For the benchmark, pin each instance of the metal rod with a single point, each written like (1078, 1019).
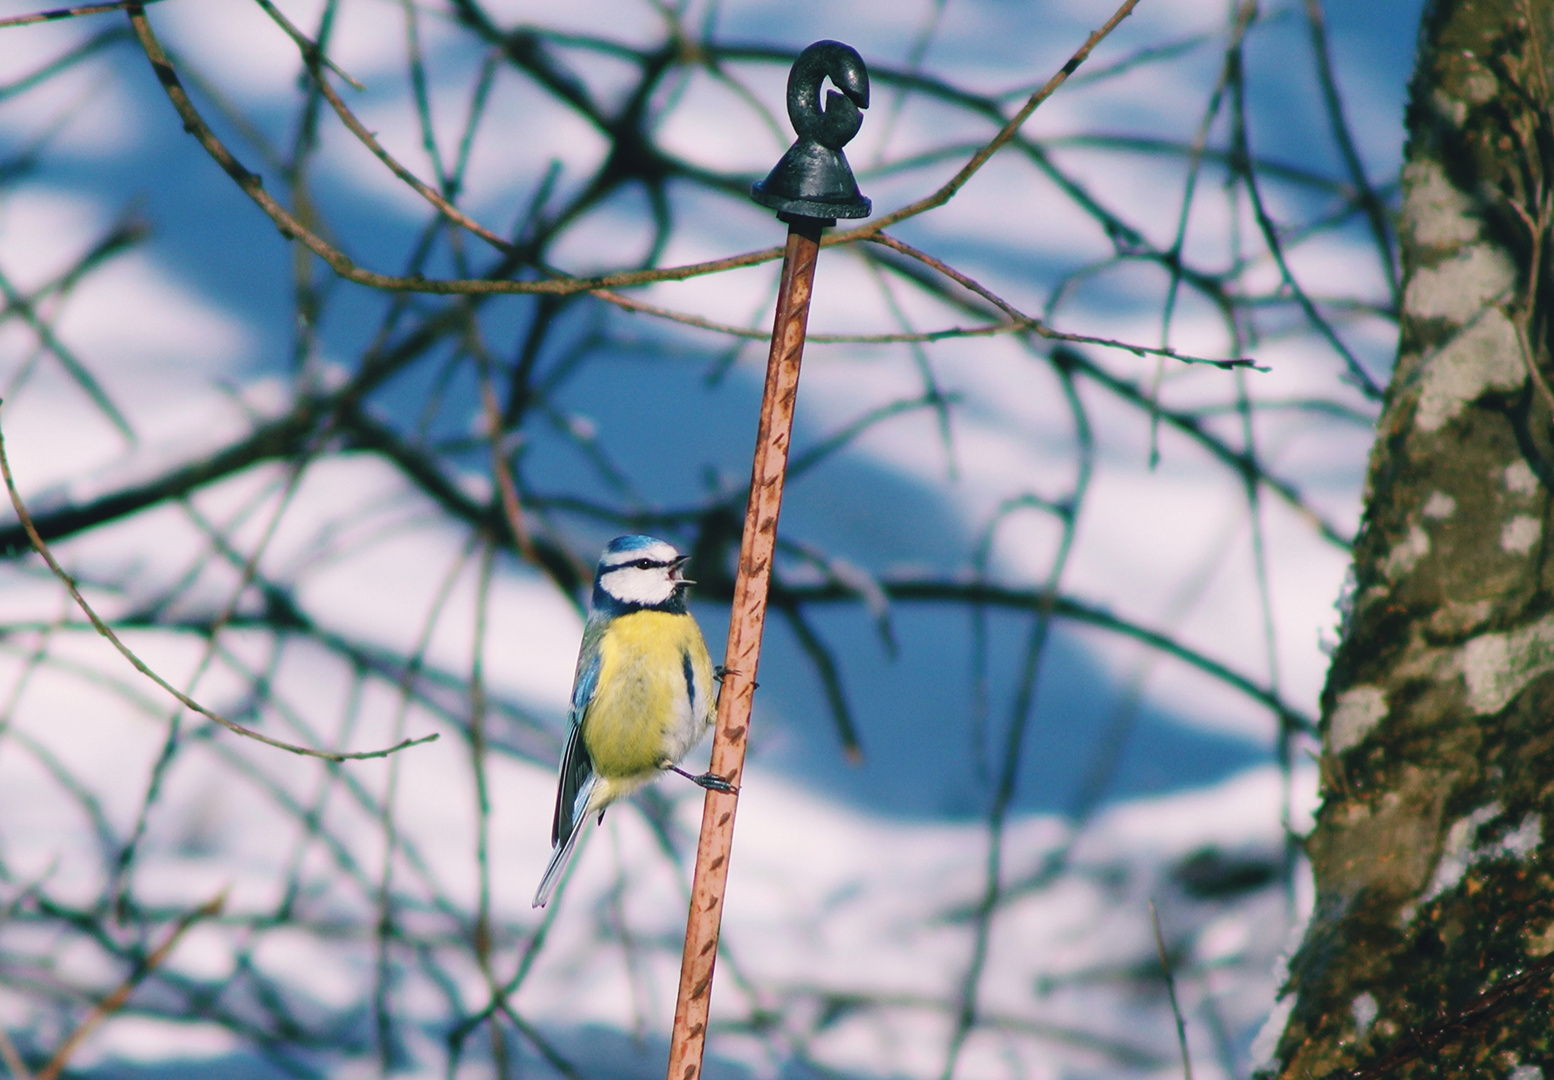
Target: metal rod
(748, 619)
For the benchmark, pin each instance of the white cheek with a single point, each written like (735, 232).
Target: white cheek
(633, 586)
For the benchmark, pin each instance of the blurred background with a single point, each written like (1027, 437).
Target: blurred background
(1050, 619)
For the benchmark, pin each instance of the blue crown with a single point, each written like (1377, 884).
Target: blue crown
(630, 543)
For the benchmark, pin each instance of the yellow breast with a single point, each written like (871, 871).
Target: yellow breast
(645, 711)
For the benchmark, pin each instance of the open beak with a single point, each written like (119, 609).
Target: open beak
(676, 569)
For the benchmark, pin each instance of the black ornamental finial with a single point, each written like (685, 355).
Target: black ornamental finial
(813, 179)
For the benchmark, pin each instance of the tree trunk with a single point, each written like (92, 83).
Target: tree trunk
(1431, 950)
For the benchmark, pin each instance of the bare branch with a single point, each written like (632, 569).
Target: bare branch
(140, 665)
(1170, 981)
(71, 12)
(947, 192)
(13, 1060)
(1021, 321)
(115, 1001)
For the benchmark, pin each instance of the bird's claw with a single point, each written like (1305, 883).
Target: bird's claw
(714, 783)
(705, 780)
(720, 672)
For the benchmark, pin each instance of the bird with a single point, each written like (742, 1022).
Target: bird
(642, 696)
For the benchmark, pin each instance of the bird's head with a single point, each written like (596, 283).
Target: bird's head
(640, 571)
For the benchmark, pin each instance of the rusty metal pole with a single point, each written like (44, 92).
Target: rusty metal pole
(810, 188)
(744, 648)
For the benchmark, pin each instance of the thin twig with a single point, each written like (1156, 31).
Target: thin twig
(292, 228)
(1019, 322)
(1365, 193)
(901, 588)
(121, 886)
(750, 333)
(115, 1001)
(1170, 981)
(1483, 1008)
(557, 283)
(830, 681)
(13, 1060)
(71, 12)
(140, 665)
(311, 53)
(421, 188)
(482, 938)
(1242, 151)
(1174, 253)
(947, 191)
(507, 488)
(1022, 321)
(385, 899)
(16, 302)
(1021, 711)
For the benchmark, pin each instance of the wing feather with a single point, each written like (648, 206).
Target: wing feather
(576, 764)
(688, 667)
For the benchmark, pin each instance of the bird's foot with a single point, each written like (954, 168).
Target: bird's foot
(707, 780)
(720, 671)
(714, 783)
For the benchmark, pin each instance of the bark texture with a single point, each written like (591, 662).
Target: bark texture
(1431, 950)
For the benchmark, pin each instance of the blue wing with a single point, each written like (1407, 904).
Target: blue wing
(584, 685)
(577, 768)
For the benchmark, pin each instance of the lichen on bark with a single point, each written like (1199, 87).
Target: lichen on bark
(1434, 919)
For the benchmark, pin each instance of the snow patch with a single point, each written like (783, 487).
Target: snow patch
(1463, 849)
(146, 1039)
(1224, 941)
(1458, 853)
(1525, 838)
(1267, 1040)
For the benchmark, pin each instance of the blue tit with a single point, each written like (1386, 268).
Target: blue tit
(642, 696)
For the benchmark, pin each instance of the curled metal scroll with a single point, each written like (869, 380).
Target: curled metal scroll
(813, 179)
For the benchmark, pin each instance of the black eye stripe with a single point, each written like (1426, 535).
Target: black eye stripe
(639, 564)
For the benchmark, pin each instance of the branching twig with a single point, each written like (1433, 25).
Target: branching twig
(1490, 1003)
(71, 12)
(1021, 321)
(13, 1060)
(115, 1001)
(947, 191)
(1018, 322)
(557, 284)
(311, 53)
(140, 665)
(1170, 981)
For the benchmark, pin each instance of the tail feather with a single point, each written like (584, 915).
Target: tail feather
(562, 853)
(558, 862)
